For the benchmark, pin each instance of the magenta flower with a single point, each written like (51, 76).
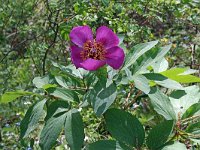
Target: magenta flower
(90, 53)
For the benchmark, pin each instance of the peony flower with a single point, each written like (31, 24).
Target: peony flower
(92, 53)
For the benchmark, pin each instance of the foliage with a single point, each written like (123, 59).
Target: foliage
(152, 102)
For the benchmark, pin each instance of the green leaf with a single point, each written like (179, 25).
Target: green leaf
(107, 145)
(56, 107)
(67, 81)
(181, 75)
(11, 96)
(161, 104)
(159, 135)
(125, 127)
(149, 58)
(182, 100)
(64, 94)
(105, 2)
(40, 82)
(142, 83)
(160, 65)
(31, 119)
(101, 73)
(71, 70)
(175, 146)
(163, 81)
(138, 51)
(51, 131)
(74, 130)
(102, 96)
(62, 81)
(193, 127)
(191, 110)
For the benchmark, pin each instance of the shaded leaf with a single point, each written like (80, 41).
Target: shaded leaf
(159, 135)
(51, 131)
(193, 128)
(31, 119)
(55, 107)
(107, 145)
(74, 130)
(125, 127)
(191, 110)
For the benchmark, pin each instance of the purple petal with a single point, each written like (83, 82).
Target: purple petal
(115, 57)
(92, 64)
(75, 55)
(107, 37)
(80, 34)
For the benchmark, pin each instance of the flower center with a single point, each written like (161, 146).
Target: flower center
(94, 50)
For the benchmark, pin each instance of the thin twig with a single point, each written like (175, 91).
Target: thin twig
(190, 118)
(134, 100)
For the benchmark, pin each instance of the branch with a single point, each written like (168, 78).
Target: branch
(55, 36)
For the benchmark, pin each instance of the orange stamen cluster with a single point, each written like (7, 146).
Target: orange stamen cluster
(94, 50)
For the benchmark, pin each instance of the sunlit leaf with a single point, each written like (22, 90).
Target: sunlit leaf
(11, 96)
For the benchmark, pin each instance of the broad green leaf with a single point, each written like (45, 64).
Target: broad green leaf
(11, 96)
(107, 145)
(182, 100)
(39, 82)
(163, 81)
(102, 96)
(191, 110)
(31, 119)
(51, 131)
(67, 81)
(62, 81)
(56, 107)
(161, 104)
(71, 70)
(181, 75)
(158, 136)
(125, 127)
(149, 58)
(142, 83)
(175, 146)
(137, 51)
(74, 130)
(64, 94)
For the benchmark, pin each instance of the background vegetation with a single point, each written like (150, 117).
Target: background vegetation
(33, 33)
